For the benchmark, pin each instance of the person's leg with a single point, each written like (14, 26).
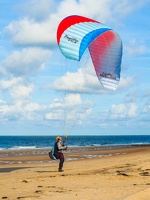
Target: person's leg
(61, 157)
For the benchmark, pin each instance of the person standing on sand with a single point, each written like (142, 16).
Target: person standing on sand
(58, 152)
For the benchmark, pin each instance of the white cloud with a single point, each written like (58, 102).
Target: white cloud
(17, 87)
(21, 110)
(118, 111)
(79, 81)
(126, 82)
(40, 27)
(146, 109)
(54, 115)
(73, 109)
(73, 99)
(38, 10)
(123, 111)
(131, 97)
(30, 107)
(21, 91)
(68, 102)
(101, 10)
(132, 112)
(125, 7)
(7, 84)
(28, 32)
(11, 111)
(85, 81)
(2, 102)
(28, 61)
(135, 48)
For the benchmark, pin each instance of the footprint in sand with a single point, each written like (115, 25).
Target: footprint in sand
(121, 173)
(144, 174)
(38, 191)
(24, 181)
(51, 187)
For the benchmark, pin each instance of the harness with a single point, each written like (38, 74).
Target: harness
(56, 150)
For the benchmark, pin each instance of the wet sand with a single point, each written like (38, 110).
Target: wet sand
(90, 173)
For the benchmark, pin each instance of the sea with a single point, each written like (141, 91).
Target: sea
(36, 142)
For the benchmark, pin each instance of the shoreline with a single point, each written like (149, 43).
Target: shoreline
(76, 147)
(35, 156)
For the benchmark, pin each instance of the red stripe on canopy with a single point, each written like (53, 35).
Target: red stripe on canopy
(68, 21)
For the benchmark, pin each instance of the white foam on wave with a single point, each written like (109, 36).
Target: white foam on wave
(23, 147)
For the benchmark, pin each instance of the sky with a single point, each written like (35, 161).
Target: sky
(42, 93)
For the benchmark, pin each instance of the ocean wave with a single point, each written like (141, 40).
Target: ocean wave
(41, 142)
(22, 147)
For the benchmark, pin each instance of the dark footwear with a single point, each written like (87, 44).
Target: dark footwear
(60, 170)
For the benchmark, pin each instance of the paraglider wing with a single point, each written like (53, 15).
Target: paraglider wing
(76, 33)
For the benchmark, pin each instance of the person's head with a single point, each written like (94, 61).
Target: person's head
(58, 138)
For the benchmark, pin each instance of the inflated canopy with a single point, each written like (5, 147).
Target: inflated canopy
(77, 33)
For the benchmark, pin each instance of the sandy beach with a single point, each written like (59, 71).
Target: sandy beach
(90, 173)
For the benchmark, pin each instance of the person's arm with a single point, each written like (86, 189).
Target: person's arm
(60, 146)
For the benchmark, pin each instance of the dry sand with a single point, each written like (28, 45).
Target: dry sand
(89, 174)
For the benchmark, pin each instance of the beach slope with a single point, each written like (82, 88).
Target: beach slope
(89, 174)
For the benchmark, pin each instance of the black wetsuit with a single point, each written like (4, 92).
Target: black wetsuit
(58, 152)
